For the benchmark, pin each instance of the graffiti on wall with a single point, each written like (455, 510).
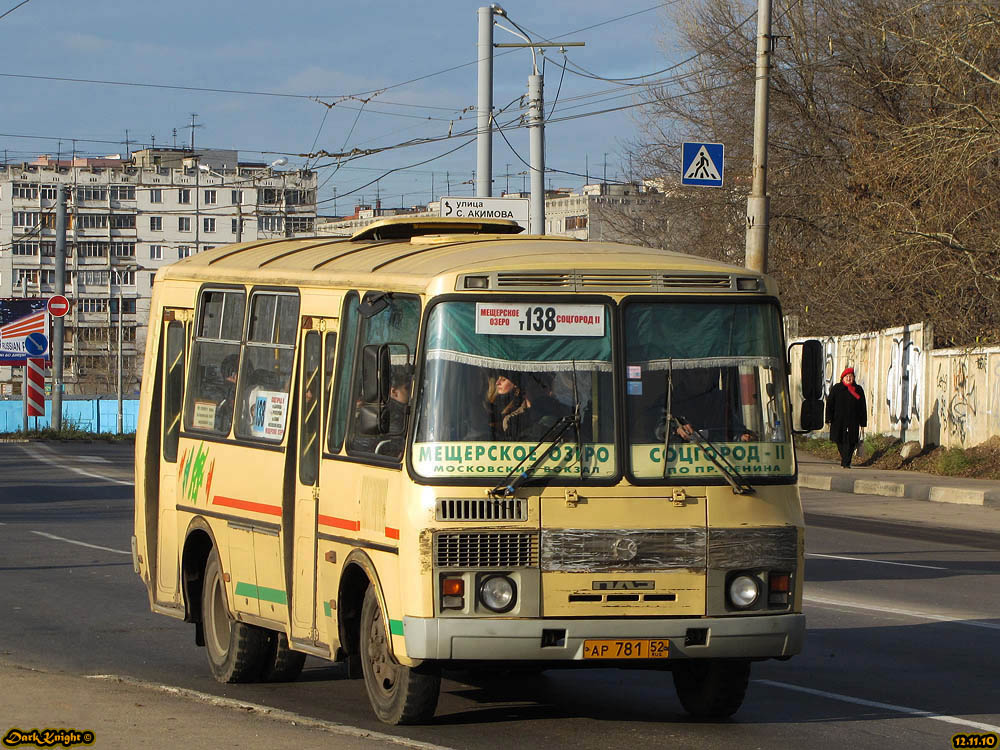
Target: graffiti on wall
(904, 382)
(957, 399)
(995, 400)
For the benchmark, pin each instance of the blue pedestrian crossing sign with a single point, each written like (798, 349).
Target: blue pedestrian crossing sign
(702, 164)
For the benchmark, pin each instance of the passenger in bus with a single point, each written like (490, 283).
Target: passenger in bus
(399, 400)
(227, 398)
(522, 406)
(503, 399)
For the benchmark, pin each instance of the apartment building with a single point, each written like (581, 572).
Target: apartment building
(125, 219)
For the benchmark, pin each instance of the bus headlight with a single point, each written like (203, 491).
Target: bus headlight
(498, 593)
(743, 591)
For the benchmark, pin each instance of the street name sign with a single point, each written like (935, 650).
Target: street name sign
(515, 209)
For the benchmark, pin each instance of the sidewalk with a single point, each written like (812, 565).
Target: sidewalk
(908, 498)
(124, 714)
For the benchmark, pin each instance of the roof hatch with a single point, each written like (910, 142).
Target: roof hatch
(404, 228)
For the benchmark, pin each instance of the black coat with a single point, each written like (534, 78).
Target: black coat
(846, 414)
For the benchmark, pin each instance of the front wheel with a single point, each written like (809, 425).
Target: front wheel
(236, 651)
(711, 688)
(398, 694)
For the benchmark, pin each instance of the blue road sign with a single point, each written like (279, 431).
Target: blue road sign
(702, 164)
(36, 344)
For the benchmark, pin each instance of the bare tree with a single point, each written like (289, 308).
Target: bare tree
(883, 152)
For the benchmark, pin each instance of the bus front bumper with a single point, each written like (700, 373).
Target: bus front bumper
(481, 639)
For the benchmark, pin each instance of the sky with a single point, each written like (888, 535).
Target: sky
(296, 77)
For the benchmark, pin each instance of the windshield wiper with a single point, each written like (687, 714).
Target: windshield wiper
(728, 471)
(668, 416)
(514, 480)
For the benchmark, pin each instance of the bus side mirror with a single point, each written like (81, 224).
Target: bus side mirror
(811, 415)
(376, 373)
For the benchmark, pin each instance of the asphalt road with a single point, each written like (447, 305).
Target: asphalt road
(901, 651)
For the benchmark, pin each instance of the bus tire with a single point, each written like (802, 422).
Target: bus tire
(711, 688)
(236, 651)
(398, 694)
(282, 664)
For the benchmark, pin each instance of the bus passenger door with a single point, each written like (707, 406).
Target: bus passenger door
(304, 562)
(173, 346)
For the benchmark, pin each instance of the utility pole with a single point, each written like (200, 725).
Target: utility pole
(484, 106)
(536, 154)
(58, 325)
(758, 203)
(120, 314)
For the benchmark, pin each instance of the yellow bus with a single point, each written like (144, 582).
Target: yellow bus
(441, 444)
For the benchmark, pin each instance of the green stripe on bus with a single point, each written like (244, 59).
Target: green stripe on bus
(265, 594)
(396, 627)
(326, 609)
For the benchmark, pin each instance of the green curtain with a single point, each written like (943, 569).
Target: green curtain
(692, 330)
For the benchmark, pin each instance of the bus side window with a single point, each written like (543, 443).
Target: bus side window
(215, 356)
(309, 419)
(345, 364)
(173, 388)
(263, 395)
(329, 362)
(393, 321)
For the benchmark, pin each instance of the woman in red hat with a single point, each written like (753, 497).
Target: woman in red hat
(847, 414)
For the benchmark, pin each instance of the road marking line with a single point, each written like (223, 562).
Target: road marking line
(274, 713)
(82, 544)
(905, 612)
(883, 562)
(886, 706)
(36, 452)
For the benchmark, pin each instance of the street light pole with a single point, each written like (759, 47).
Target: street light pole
(120, 313)
(484, 105)
(758, 203)
(536, 154)
(536, 122)
(58, 330)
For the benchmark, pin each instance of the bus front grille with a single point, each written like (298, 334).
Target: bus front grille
(481, 509)
(486, 550)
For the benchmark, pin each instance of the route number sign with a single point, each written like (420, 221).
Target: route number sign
(530, 319)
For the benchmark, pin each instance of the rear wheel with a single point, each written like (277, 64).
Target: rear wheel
(398, 694)
(711, 688)
(236, 651)
(281, 664)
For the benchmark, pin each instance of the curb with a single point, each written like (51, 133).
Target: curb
(911, 490)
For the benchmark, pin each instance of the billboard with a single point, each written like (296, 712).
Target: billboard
(24, 330)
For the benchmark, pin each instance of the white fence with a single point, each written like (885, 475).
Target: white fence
(947, 397)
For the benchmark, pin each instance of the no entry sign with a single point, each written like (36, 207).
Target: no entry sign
(58, 306)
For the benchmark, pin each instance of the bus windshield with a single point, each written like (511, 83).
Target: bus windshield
(705, 386)
(501, 378)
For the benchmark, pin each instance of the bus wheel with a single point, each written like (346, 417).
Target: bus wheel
(711, 688)
(281, 664)
(398, 694)
(236, 651)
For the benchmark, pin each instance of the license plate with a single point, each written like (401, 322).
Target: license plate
(634, 648)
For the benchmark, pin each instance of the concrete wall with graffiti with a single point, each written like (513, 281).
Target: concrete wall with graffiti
(947, 397)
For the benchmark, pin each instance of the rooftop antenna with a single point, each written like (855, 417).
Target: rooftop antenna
(175, 137)
(193, 126)
(152, 141)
